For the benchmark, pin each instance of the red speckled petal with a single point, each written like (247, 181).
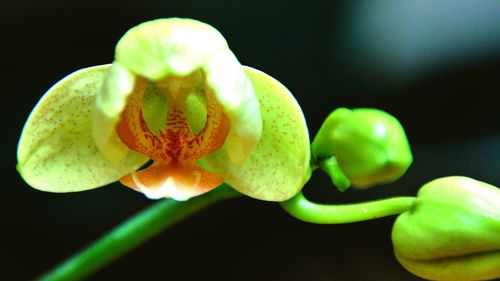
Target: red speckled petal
(57, 151)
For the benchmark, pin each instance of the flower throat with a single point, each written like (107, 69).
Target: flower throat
(174, 148)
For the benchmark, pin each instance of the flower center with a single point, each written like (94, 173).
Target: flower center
(174, 148)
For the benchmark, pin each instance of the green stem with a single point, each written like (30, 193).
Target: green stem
(305, 210)
(132, 233)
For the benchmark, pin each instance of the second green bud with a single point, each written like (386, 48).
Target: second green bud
(452, 231)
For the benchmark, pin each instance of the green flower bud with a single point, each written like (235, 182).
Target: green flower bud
(370, 145)
(452, 231)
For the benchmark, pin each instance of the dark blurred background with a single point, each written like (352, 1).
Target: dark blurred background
(433, 64)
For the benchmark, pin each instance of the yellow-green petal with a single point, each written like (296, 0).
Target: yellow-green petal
(56, 151)
(226, 76)
(110, 101)
(278, 166)
(164, 47)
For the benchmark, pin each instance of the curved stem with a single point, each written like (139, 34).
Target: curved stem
(132, 233)
(305, 210)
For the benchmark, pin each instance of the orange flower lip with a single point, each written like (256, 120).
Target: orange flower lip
(176, 148)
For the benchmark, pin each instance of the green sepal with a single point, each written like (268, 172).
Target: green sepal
(56, 151)
(278, 167)
(339, 179)
(452, 231)
(322, 147)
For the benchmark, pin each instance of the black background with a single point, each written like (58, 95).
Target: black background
(446, 100)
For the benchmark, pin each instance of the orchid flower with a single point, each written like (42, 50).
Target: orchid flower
(175, 94)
